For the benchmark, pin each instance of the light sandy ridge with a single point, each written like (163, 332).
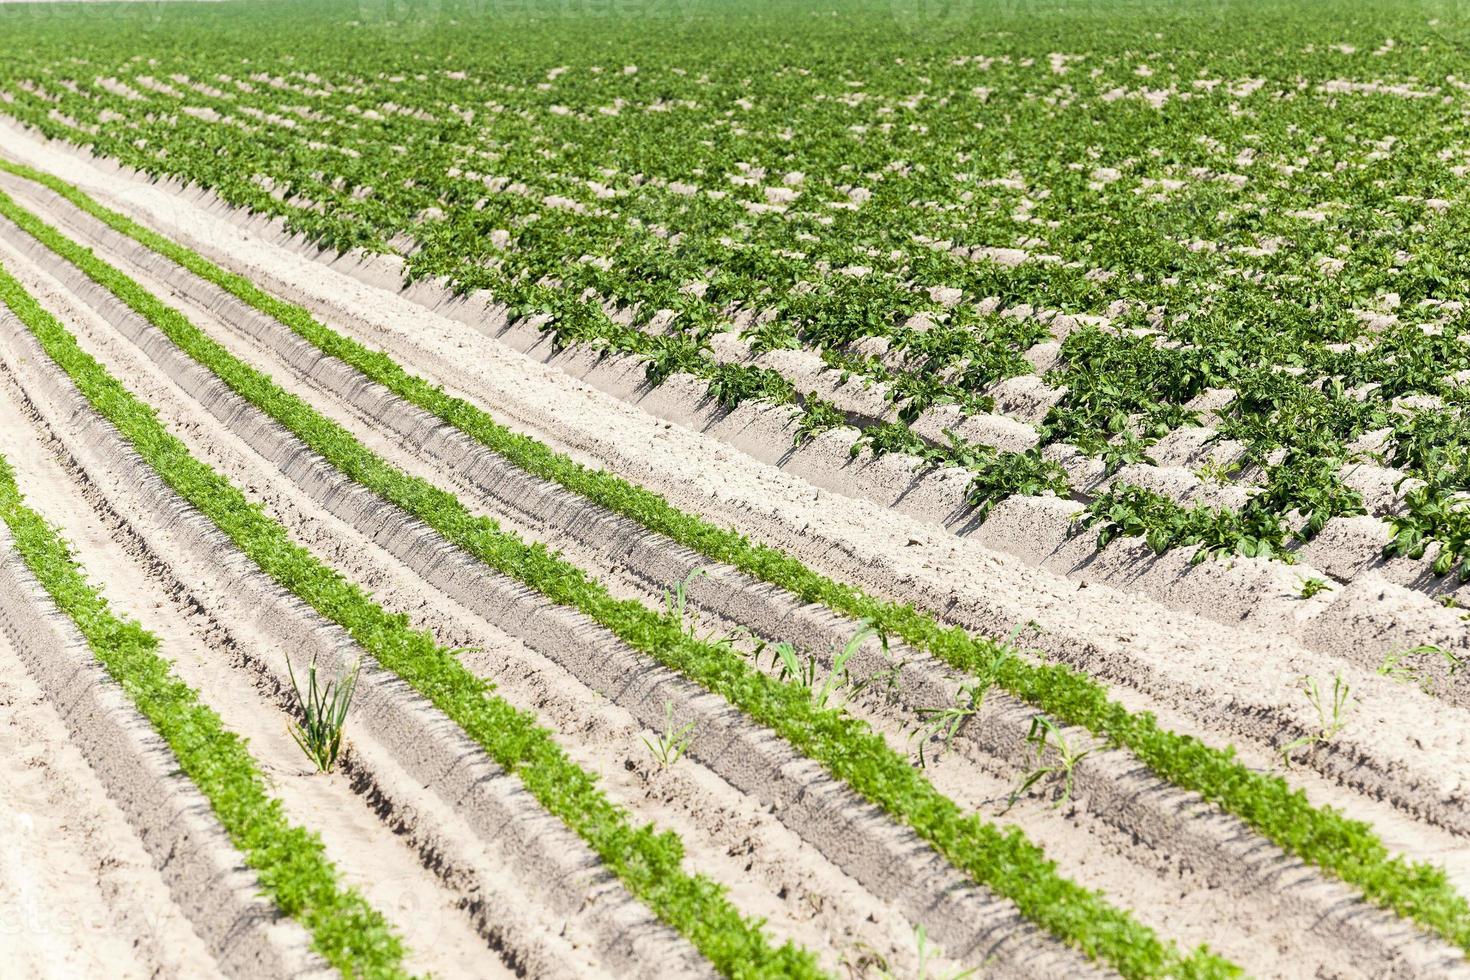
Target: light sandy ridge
(1230, 919)
(1125, 638)
(78, 893)
(952, 907)
(498, 891)
(364, 849)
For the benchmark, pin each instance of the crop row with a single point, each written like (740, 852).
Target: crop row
(1004, 861)
(289, 859)
(1347, 849)
(1181, 234)
(648, 861)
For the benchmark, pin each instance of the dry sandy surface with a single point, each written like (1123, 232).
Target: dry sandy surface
(79, 896)
(793, 845)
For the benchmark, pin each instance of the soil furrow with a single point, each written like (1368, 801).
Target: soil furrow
(206, 875)
(888, 860)
(226, 666)
(1124, 640)
(81, 894)
(1179, 840)
(546, 860)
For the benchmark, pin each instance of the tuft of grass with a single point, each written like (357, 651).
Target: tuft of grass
(676, 602)
(669, 746)
(291, 862)
(1044, 735)
(947, 722)
(926, 953)
(1398, 666)
(324, 713)
(1331, 715)
(791, 668)
(839, 676)
(1346, 848)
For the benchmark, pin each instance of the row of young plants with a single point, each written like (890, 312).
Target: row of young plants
(576, 318)
(1108, 371)
(289, 860)
(1323, 837)
(1003, 860)
(388, 212)
(1116, 412)
(990, 344)
(646, 860)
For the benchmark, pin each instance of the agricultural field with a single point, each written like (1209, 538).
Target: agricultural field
(667, 488)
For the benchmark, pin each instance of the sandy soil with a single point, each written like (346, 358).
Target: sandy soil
(798, 881)
(792, 844)
(78, 893)
(1232, 911)
(1125, 637)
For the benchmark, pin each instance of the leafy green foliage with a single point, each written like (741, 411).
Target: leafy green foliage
(1125, 510)
(1324, 837)
(646, 860)
(290, 861)
(817, 416)
(1005, 861)
(1314, 586)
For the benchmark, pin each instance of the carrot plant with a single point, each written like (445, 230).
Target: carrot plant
(290, 860)
(1004, 861)
(1326, 838)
